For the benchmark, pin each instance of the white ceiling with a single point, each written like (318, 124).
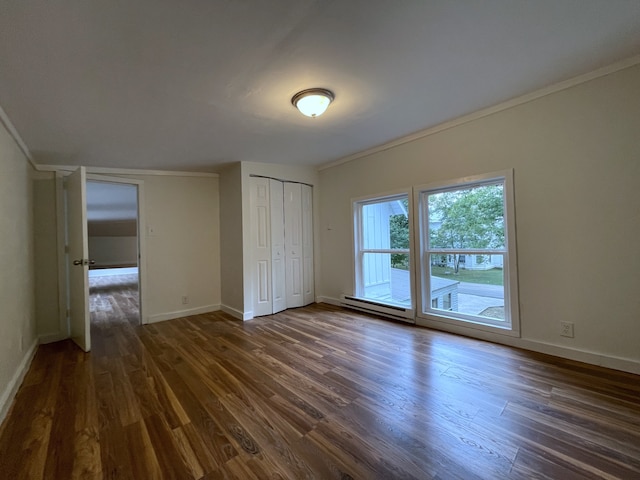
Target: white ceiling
(192, 84)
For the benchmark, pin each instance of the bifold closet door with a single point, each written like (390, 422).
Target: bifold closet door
(278, 268)
(308, 284)
(261, 254)
(293, 244)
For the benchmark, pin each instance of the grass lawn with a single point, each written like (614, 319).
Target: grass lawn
(484, 277)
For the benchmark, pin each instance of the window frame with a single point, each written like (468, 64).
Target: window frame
(425, 314)
(358, 244)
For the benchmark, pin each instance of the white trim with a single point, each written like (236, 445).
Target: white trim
(123, 171)
(607, 361)
(357, 234)
(14, 384)
(4, 119)
(141, 236)
(424, 313)
(234, 312)
(485, 112)
(161, 317)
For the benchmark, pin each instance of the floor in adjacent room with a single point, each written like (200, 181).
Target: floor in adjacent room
(317, 392)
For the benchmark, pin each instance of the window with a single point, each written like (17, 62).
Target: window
(467, 245)
(446, 302)
(383, 260)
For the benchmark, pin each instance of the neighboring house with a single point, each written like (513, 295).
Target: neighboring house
(470, 262)
(381, 281)
(444, 294)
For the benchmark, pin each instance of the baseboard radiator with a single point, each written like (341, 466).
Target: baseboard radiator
(369, 306)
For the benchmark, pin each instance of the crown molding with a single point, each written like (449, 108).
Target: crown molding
(6, 122)
(514, 102)
(123, 171)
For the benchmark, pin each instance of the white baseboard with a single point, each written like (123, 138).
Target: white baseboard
(607, 361)
(161, 317)
(593, 358)
(234, 312)
(12, 388)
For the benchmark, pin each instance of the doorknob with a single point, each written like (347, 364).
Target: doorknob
(84, 262)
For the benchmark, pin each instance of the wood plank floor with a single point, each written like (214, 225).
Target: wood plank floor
(314, 393)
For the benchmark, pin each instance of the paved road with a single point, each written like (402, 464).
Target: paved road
(492, 291)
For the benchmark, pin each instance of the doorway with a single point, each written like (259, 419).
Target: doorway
(112, 230)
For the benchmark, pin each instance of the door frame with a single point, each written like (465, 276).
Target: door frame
(63, 274)
(142, 249)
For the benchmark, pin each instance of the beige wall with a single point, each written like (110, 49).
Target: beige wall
(183, 254)
(46, 257)
(231, 261)
(113, 251)
(237, 287)
(17, 279)
(576, 158)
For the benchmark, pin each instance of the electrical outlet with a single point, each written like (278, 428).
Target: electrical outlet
(566, 329)
(185, 299)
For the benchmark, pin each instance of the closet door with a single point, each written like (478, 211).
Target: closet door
(308, 289)
(278, 268)
(261, 246)
(293, 244)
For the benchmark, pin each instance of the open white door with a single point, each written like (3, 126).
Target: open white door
(78, 258)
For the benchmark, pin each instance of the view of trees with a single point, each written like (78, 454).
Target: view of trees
(468, 218)
(399, 232)
(460, 219)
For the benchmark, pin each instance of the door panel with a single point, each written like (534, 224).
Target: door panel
(278, 283)
(293, 243)
(261, 246)
(78, 259)
(308, 287)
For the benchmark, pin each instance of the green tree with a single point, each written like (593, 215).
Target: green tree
(399, 233)
(468, 218)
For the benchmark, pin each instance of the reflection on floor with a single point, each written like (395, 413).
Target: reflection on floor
(113, 297)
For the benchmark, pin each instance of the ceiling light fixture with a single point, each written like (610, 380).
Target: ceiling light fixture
(313, 102)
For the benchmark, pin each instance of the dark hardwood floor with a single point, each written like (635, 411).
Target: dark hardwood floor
(317, 392)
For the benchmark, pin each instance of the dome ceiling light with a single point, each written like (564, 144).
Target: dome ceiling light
(313, 102)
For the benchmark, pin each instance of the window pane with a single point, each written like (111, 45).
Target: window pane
(385, 225)
(383, 282)
(467, 218)
(473, 287)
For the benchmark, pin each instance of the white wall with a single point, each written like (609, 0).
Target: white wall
(231, 261)
(17, 279)
(46, 256)
(183, 254)
(576, 157)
